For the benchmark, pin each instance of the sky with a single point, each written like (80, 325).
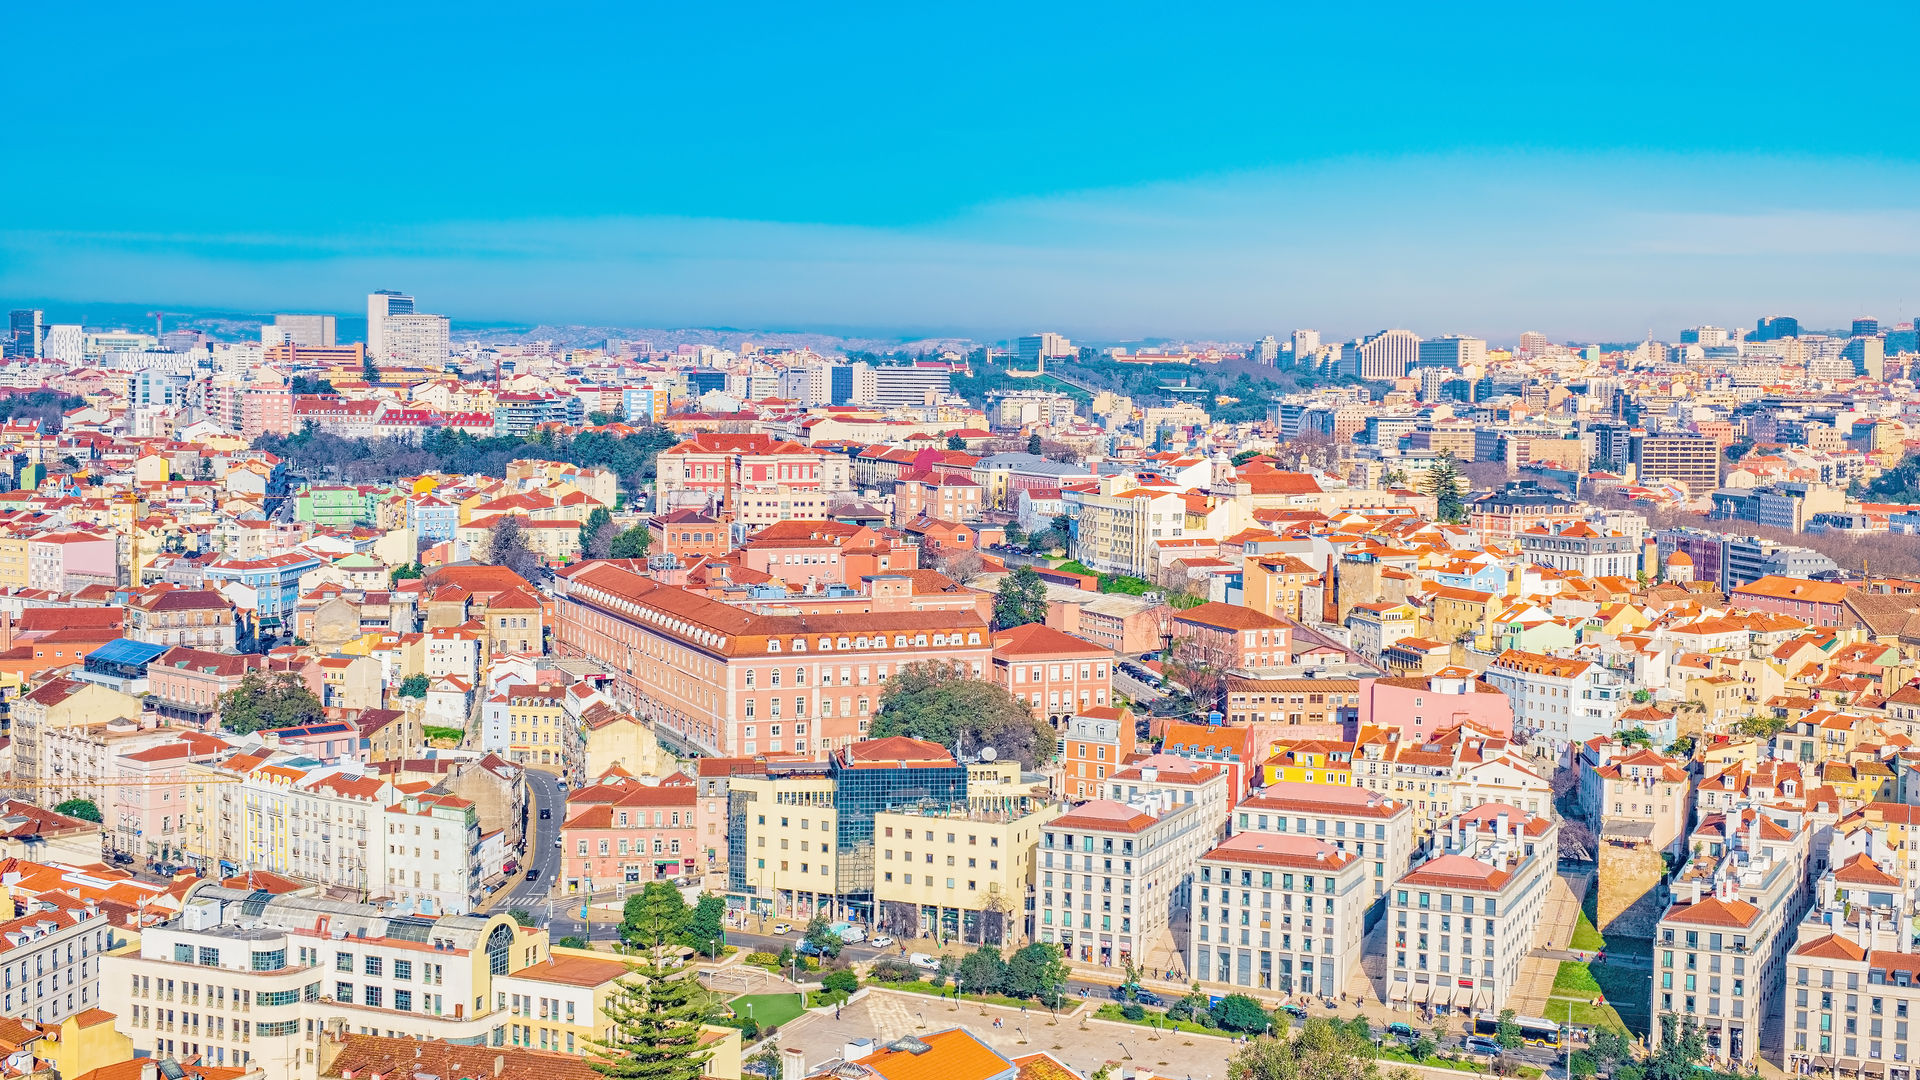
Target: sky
(1110, 171)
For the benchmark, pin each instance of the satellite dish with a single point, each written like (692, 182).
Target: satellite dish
(988, 754)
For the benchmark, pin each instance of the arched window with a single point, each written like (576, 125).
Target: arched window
(498, 944)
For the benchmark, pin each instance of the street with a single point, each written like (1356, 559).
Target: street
(542, 855)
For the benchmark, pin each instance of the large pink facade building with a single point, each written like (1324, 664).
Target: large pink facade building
(1418, 706)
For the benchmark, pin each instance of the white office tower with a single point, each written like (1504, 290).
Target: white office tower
(65, 342)
(382, 306)
(311, 330)
(1454, 351)
(1433, 381)
(416, 340)
(1305, 343)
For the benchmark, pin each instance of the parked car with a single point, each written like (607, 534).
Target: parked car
(923, 962)
(1399, 1031)
(1477, 1044)
(882, 942)
(848, 933)
(782, 928)
(1147, 997)
(510, 867)
(1298, 1012)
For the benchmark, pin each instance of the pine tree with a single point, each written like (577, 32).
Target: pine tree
(656, 1019)
(1445, 484)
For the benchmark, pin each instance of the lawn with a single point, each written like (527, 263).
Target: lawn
(433, 732)
(921, 986)
(769, 1010)
(1627, 986)
(1586, 937)
(1158, 1018)
(1575, 986)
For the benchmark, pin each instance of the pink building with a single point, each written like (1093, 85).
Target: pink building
(621, 830)
(1226, 636)
(1418, 706)
(1058, 674)
(146, 811)
(70, 560)
(185, 684)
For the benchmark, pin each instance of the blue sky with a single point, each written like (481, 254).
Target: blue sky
(1109, 170)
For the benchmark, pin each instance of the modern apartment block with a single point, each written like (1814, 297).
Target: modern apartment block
(1379, 831)
(1720, 948)
(960, 874)
(1278, 913)
(1113, 876)
(1463, 920)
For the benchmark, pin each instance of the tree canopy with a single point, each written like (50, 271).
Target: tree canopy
(1021, 599)
(269, 700)
(655, 1016)
(1323, 1049)
(507, 546)
(632, 544)
(84, 809)
(1448, 488)
(931, 701)
(654, 916)
(597, 534)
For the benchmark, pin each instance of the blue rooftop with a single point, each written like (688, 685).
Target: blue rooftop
(125, 651)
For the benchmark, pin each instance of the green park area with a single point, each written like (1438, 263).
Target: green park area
(766, 1010)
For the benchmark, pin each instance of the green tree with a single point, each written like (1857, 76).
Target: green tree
(269, 700)
(1507, 1031)
(820, 935)
(572, 941)
(1244, 456)
(983, 971)
(84, 809)
(521, 915)
(1581, 1065)
(406, 571)
(414, 686)
(632, 544)
(1422, 1048)
(654, 916)
(656, 1018)
(955, 442)
(1021, 599)
(1033, 444)
(369, 370)
(1038, 970)
(931, 701)
(1322, 1050)
(1682, 1046)
(840, 979)
(1609, 1048)
(1761, 727)
(597, 534)
(601, 419)
(1447, 486)
(706, 930)
(1238, 1012)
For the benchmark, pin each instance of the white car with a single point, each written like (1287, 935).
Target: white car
(882, 942)
(923, 961)
(782, 928)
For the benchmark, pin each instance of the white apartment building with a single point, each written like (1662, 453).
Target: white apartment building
(246, 979)
(50, 958)
(1114, 527)
(1463, 920)
(1379, 831)
(433, 854)
(416, 340)
(320, 825)
(1579, 548)
(1558, 703)
(1112, 875)
(1279, 913)
(1724, 938)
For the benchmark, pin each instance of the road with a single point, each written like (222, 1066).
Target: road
(543, 854)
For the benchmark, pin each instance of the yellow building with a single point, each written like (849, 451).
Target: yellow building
(1456, 614)
(791, 863)
(1310, 762)
(616, 738)
(13, 559)
(81, 1043)
(961, 875)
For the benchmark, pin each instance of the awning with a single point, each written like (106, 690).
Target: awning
(1397, 991)
(1847, 1065)
(1875, 1068)
(1463, 997)
(1422, 993)
(1483, 999)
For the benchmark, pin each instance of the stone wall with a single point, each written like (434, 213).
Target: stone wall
(1629, 896)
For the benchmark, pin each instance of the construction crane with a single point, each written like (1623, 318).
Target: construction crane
(78, 785)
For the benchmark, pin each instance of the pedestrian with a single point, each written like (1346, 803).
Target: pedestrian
(836, 1010)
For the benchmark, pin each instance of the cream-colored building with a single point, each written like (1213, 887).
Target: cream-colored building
(790, 853)
(323, 825)
(57, 703)
(961, 874)
(246, 980)
(1279, 913)
(561, 1004)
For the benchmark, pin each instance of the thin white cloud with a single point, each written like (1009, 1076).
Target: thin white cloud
(1581, 248)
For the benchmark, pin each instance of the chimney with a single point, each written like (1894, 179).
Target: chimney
(1502, 827)
(793, 1063)
(1695, 884)
(499, 1064)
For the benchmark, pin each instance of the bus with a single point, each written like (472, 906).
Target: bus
(1533, 1030)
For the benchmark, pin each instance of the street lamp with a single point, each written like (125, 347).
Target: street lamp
(1124, 1050)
